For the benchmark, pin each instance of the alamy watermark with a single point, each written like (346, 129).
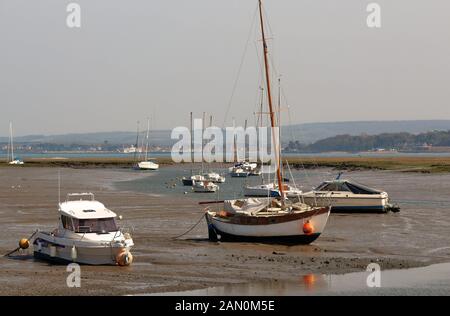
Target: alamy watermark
(73, 19)
(74, 277)
(374, 278)
(230, 144)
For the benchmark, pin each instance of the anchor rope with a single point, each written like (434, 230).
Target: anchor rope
(190, 229)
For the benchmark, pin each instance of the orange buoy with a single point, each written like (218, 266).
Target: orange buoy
(124, 258)
(308, 228)
(309, 280)
(24, 243)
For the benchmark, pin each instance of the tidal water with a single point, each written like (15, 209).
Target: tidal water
(431, 280)
(420, 231)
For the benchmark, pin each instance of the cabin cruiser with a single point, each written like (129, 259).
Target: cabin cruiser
(87, 233)
(238, 172)
(214, 177)
(348, 196)
(210, 177)
(204, 187)
(194, 178)
(271, 190)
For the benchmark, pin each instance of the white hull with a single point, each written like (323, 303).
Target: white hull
(16, 162)
(204, 187)
(263, 190)
(214, 177)
(148, 165)
(55, 248)
(291, 230)
(348, 201)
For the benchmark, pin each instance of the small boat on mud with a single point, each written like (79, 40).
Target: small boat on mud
(147, 163)
(87, 233)
(266, 220)
(348, 196)
(11, 159)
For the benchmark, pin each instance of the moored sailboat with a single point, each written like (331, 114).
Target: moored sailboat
(147, 164)
(11, 159)
(266, 219)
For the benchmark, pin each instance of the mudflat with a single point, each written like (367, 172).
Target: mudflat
(416, 236)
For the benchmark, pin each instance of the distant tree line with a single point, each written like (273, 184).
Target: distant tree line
(387, 141)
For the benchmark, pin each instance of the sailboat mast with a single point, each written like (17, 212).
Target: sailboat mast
(279, 125)
(12, 141)
(192, 139)
(269, 97)
(146, 144)
(137, 141)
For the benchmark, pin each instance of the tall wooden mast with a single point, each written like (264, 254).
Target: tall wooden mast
(269, 97)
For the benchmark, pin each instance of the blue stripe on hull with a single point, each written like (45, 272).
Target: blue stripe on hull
(356, 209)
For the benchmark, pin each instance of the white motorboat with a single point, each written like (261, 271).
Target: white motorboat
(214, 177)
(348, 196)
(11, 160)
(147, 164)
(87, 233)
(188, 181)
(204, 187)
(266, 220)
(238, 172)
(262, 190)
(271, 189)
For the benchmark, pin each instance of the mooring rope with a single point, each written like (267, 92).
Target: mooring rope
(13, 251)
(190, 229)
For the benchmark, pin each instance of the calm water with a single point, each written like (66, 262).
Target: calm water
(431, 280)
(420, 231)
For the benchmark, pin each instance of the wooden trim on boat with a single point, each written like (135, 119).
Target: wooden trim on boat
(270, 219)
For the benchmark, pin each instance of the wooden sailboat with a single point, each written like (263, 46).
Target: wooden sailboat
(147, 164)
(10, 157)
(266, 219)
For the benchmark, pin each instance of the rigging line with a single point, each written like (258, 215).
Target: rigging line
(233, 91)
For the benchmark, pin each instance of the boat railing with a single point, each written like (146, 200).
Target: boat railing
(79, 196)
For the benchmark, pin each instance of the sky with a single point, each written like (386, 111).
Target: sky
(165, 58)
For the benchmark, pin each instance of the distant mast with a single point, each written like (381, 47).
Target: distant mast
(146, 138)
(269, 97)
(11, 140)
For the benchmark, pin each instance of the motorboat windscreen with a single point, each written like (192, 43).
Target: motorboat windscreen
(98, 225)
(346, 186)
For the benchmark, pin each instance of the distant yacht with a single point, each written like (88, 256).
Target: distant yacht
(10, 157)
(204, 187)
(147, 164)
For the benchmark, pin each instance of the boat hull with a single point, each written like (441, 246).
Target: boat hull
(187, 182)
(272, 229)
(239, 174)
(58, 250)
(148, 165)
(349, 204)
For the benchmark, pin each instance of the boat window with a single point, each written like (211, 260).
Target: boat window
(97, 225)
(67, 222)
(346, 187)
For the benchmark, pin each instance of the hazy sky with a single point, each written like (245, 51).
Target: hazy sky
(165, 58)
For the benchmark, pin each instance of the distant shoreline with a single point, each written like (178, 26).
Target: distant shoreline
(401, 164)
